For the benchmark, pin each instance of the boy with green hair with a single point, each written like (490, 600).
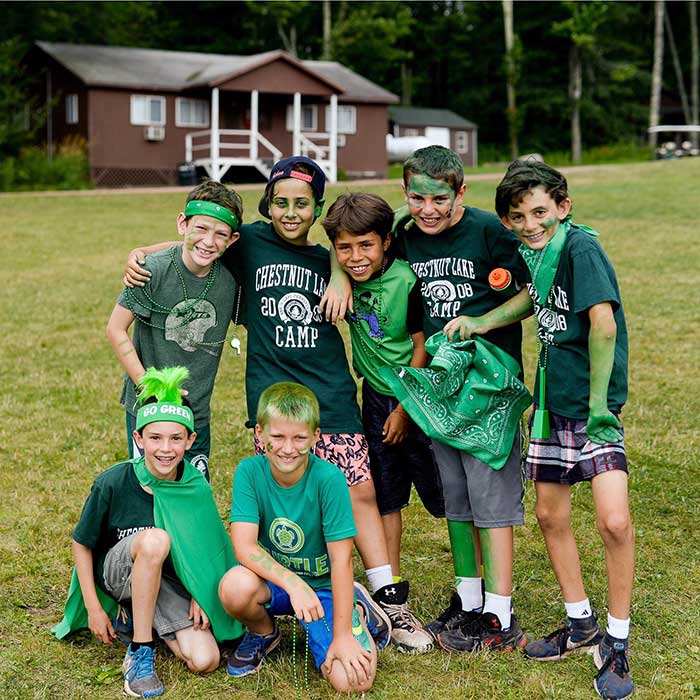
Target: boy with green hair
(150, 537)
(575, 430)
(386, 329)
(284, 278)
(181, 316)
(292, 530)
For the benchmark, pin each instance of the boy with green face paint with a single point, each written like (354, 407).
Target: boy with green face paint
(573, 292)
(452, 249)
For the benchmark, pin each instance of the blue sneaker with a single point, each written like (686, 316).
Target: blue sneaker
(377, 620)
(251, 652)
(578, 636)
(123, 625)
(613, 681)
(140, 679)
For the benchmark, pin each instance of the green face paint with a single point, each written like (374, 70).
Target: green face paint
(431, 203)
(424, 184)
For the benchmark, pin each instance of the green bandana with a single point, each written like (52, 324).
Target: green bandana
(200, 207)
(170, 412)
(470, 397)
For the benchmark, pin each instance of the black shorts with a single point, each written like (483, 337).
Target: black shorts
(395, 467)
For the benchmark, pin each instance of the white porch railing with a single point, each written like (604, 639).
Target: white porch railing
(236, 147)
(317, 145)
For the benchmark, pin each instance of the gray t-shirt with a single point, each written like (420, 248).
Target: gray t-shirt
(181, 319)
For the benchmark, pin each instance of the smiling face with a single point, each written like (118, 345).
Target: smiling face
(534, 220)
(292, 210)
(360, 256)
(163, 445)
(433, 204)
(206, 239)
(287, 446)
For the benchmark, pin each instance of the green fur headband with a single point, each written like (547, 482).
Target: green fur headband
(163, 384)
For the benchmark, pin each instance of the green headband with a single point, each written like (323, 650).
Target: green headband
(199, 206)
(165, 411)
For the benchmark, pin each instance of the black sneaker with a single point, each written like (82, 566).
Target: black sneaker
(578, 636)
(451, 617)
(407, 634)
(251, 652)
(613, 681)
(486, 633)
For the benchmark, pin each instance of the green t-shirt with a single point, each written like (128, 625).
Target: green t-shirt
(295, 522)
(170, 330)
(116, 508)
(584, 278)
(288, 338)
(453, 267)
(378, 329)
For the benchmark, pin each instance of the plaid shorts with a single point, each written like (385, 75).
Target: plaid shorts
(568, 456)
(349, 451)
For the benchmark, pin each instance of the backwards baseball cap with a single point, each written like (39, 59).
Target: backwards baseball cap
(165, 386)
(289, 168)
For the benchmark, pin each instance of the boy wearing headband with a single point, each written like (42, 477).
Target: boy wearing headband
(581, 388)
(284, 277)
(134, 541)
(292, 529)
(181, 316)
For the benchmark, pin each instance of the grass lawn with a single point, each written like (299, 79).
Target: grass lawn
(62, 425)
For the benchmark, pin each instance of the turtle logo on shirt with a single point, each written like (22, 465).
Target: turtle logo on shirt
(286, 535)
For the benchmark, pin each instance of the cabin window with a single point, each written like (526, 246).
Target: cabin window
(147, 110)
(461, 142)
(71, 109)
(309, 117)
(347, 119)
(191, 112)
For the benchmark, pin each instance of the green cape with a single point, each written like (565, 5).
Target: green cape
(469, 397)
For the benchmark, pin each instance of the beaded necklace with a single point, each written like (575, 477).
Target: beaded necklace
(307, 687)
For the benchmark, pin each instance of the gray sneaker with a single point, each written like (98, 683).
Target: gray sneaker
(407, 634)
(140, 679)
(578, 636)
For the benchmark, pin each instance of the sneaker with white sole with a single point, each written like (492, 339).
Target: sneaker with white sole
(140, 679)
(407, 633)
(613, 681)
(251, 652)
(578, 636)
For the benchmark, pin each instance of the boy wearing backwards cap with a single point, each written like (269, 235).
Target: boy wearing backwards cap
(134, 541)
(182, 313)
(284, 277)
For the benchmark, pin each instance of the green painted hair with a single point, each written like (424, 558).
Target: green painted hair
(163, 385)
(437, 162)
(290, 401)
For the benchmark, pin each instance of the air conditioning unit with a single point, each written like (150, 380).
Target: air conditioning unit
(154, 133)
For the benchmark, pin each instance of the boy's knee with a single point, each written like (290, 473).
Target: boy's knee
(616, 526)
(204, 659)
(363, 494)
(153, 543)
(340, 682)
(550, 518)
(237, 588)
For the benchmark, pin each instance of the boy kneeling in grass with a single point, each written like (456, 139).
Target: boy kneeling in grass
(574, 294)
(292, 530)
(143, 526)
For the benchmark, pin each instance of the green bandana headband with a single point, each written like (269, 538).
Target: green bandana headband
(200, 207)
(163, 384)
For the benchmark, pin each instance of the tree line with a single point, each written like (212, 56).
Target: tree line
(567, 75)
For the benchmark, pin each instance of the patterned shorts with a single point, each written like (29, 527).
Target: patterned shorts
(349, 451)
(568, 456)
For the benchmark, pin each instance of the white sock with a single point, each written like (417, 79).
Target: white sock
(578, 610)
(498, 605)
(620, 629)
(379, 577)
(469, 590)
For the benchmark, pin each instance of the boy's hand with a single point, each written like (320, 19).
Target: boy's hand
(198, 616)
(337, 299)
(395, 427)
(305, 602)
(355, 660)
(462, 327)
(101, 626)
(134, 274)
(603, 428)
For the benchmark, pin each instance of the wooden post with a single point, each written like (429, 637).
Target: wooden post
(214, 134)
(296, 135)
(254, 124)
(333, 140)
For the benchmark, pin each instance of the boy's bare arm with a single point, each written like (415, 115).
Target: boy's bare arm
(118, 333)
(337, 298)
(250, 554)
(344, 647)
(602, 425)
(515, 309)
(98, 621)
(134, 274)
